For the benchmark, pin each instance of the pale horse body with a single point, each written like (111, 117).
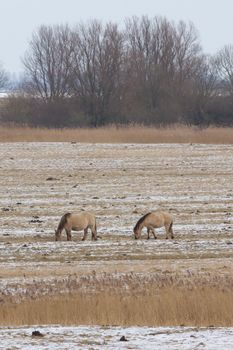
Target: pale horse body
(154, 220)
(77, 222)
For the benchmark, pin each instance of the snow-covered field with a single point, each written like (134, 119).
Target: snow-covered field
(72, 338)
(39, 182)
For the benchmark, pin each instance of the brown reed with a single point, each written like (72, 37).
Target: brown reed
(122, 134)
(165, 307)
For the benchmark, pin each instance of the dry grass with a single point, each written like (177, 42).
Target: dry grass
(200, 307)
(113, 134)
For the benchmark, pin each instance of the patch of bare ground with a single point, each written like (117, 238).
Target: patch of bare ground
(116, 280)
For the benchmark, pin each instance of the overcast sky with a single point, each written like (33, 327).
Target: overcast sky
(19, 18)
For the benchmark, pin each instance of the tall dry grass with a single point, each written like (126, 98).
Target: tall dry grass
(200, 307)
(113, 134)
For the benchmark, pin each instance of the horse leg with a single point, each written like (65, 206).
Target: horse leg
(154, 234)
(68, 235)
(57, 236)
(93, 234)
(148, 233)
(85, 234)
(171, 231)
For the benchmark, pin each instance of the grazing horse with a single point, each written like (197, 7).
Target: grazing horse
(153, 220)
(76, 222)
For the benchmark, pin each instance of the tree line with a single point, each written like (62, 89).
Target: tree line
(150, 71)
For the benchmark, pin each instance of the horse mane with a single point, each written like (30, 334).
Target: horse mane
(63, 221)
(140, 221)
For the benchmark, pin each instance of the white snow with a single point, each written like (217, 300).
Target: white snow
(98, 338)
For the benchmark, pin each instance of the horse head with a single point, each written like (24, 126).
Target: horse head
(136, 233)
(57, 235)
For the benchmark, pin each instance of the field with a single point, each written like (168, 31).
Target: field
(184, 282)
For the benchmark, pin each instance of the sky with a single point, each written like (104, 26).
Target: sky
(19, 18)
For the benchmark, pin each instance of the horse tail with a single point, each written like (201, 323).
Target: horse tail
(63, 221)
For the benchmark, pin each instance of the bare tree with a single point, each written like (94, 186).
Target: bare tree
(206, 80)
(4, 79)
(201, 90)
(149, 59)
(48, 63)
(97, 69)
(163, 57)
(187, 51)
(151, 71)
(224, 62)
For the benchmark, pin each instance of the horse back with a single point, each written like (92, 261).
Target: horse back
(168, 219)
(159, 218)
(82, 220)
